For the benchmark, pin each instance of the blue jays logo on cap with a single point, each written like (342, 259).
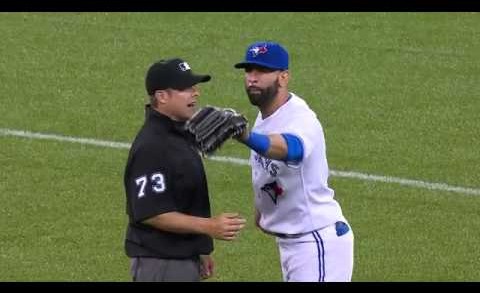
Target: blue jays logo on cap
(258, 50)
(266, 54)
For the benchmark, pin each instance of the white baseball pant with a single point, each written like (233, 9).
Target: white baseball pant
(319, 256)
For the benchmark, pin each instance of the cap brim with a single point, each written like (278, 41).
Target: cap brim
(241, 65)
(204, 78)
(247, 64)
(192, 80)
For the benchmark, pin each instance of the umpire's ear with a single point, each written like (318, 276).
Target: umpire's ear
(160, 97)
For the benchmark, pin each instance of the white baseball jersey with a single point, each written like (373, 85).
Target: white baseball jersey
(294, 198)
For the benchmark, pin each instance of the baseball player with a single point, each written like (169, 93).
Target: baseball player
(289, 173)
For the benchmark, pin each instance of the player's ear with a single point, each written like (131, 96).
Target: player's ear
(283, 78)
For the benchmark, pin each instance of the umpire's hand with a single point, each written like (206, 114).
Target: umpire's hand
(207, 266)
(226, 226)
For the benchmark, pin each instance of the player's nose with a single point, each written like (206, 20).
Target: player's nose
(251, 80)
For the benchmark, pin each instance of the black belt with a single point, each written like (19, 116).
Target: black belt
(290, 236)
(340, 227)
(281, 235)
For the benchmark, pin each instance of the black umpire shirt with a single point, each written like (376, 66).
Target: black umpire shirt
(164, 174)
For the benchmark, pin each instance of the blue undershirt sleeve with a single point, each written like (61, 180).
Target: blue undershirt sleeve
(258, 142)
(295, 148)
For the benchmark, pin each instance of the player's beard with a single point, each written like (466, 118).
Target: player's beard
(264, 96)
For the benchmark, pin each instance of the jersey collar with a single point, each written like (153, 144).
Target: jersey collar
(159, 120)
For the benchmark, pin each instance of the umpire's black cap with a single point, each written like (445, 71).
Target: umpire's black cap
(172, 73)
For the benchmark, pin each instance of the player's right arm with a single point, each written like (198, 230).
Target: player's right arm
(283, 147)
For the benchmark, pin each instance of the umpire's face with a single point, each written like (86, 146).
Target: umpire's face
(179, 105)
(262, 84)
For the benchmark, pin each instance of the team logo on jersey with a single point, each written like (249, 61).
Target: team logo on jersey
(272, 190)
(258, 50)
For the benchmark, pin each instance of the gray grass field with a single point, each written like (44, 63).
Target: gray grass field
(397, 94)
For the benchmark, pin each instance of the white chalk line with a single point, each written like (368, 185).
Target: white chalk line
(238, 161)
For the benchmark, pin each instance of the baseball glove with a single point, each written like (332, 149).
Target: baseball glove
(211, 126)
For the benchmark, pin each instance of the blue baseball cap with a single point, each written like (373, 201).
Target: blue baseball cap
(267, 54)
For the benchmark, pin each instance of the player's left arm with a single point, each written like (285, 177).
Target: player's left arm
(283, 147)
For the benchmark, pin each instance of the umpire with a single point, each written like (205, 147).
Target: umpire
(170, 228)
